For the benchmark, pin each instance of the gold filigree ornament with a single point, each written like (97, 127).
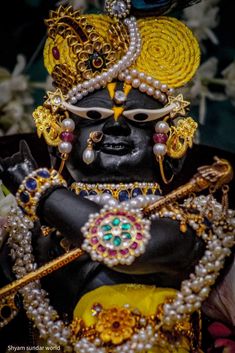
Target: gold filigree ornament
(53, 123)
(181, 137)
(115, 325)
(8, 309)
(79, 47)
(48, 125)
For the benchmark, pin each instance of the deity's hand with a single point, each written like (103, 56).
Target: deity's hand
(14, 169)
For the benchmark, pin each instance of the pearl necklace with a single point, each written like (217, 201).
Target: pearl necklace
(189, 299)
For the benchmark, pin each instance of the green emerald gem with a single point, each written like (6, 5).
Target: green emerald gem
(116, 221)
(107, 237)
(126, 235)
(126, 226)
(117, 241)
(106, 227)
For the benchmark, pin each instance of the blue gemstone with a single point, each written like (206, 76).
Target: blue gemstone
(31, 184)
(149, 192)
(107, 191)
(92, 192)
(157, 192)
(207, 222)
(43, 173)
(24, 197)
(123, 196)
(83, 193)
(136, 192)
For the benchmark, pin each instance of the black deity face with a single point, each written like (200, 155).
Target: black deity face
(125, 152)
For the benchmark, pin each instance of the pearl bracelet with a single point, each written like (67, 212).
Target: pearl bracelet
(34, 186)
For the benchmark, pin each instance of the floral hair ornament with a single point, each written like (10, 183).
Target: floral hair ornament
(84, 53)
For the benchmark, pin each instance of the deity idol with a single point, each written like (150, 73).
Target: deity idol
(108, 251)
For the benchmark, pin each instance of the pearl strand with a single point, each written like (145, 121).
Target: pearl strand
(138, 202)
(197, 288)
(82, 89)
(35, 298)
(147, 84)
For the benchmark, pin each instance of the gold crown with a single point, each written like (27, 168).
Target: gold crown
(80, 47)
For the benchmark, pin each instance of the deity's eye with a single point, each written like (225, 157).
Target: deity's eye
(140, 117)
(145, 115)
(91, 113)
(94, 114)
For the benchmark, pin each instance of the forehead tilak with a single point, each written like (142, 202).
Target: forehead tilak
(117, 109)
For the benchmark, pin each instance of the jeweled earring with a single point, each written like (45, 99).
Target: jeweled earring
(160, 147)
(88, 155)
(173, 141)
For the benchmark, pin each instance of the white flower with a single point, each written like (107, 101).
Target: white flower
(10, 84)
(198, 90)
(6, 202)
(16, 101)
(221, 302)
(229, 75)
(202, 18)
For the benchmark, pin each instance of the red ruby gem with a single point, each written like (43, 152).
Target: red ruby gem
(121, 213)
(56, 53)
(109, 214)
(94, 240)
(139, 236)
(124, 251)
(116, 324)
(160, 138)
(138, 226)
(97, 307)
(132, 218)
(99, 220)
(134, 245)
(101, 248)
(94, 230)
(67, 136)
(112, 252)
(97, 63)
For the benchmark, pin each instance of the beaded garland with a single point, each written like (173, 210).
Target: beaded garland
(219, 235)
(120, 192)
(116, 236)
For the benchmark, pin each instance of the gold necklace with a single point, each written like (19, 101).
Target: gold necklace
(120, 192)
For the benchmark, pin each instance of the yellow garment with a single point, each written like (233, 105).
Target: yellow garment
(144, 298)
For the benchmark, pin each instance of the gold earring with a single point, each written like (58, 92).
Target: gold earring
(56, 128)
(173, 141)
(181, 137)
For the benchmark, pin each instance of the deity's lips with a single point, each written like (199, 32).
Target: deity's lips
(118, 148)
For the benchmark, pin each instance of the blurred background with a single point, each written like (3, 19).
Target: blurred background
(23, 79)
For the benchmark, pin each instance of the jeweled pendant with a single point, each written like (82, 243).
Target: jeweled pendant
(88, 155)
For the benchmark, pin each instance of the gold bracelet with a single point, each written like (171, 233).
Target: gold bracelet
(34, 186)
